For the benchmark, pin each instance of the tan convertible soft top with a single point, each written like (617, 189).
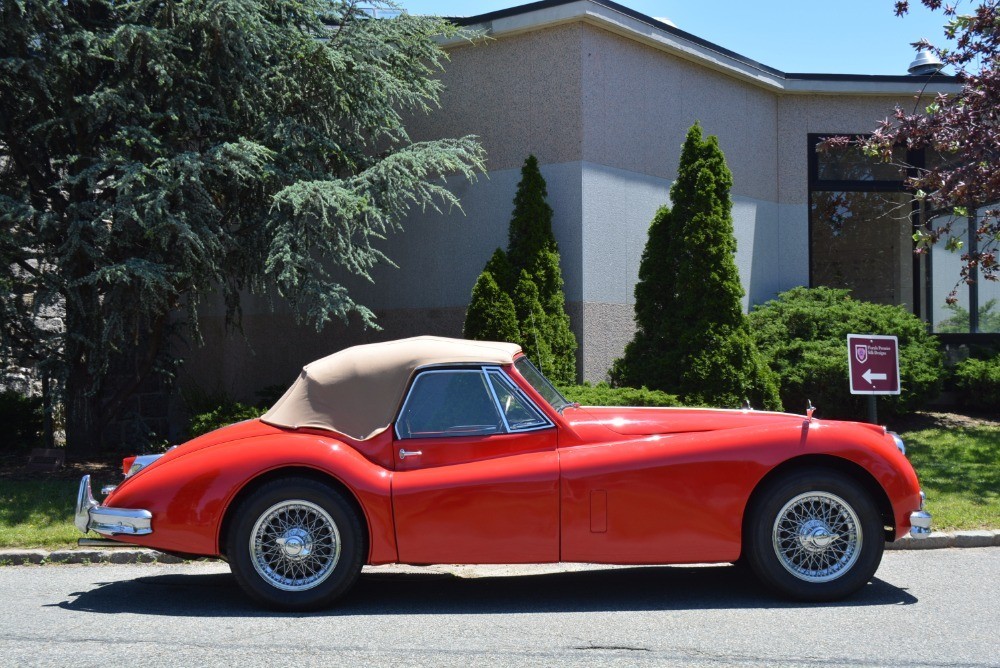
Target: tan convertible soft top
(357, 390)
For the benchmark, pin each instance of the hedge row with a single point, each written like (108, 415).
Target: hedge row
(603, 394)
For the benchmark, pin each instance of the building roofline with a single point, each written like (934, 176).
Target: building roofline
(646, 29)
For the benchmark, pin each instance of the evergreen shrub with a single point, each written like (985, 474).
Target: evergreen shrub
(978, 383)
(803, 335)
(603, 394)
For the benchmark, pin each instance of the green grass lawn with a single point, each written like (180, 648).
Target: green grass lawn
(37, 513)
(959, 469)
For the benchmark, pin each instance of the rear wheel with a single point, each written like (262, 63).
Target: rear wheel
(814, 534)
(296, 544)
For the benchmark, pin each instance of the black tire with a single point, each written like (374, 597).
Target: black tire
(814, 535)
(296, 544)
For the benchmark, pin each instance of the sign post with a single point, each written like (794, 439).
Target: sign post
(873, 367)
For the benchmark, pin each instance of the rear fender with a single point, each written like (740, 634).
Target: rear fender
(190, 495)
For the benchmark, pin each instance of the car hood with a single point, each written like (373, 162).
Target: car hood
(647, 421)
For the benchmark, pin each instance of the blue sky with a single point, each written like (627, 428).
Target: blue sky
(841, 37)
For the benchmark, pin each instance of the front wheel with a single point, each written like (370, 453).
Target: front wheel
(296, 544)
(814, 535)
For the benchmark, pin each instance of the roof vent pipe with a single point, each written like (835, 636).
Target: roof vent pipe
(926, 63)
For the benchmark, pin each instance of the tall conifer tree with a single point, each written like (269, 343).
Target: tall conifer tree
(533, 255)
(691, 334)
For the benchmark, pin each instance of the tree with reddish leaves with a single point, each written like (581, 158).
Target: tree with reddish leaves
(962, 131)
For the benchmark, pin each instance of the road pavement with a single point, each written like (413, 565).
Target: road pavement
(925, 608)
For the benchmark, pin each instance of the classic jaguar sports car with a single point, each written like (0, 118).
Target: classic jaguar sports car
(432, 450)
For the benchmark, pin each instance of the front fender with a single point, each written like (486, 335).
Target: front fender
(190, 494)
(873, 450)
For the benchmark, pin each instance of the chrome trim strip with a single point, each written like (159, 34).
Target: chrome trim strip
(90, 516)
(496, 399)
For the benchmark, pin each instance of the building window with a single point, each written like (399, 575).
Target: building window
(976, 309)
(860, 229)
(858, 241)
(861, 221)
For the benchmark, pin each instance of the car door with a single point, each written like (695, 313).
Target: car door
(477, 473)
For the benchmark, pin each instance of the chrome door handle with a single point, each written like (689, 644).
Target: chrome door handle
(403, 454)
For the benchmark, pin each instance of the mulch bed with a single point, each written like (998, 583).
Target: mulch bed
(935, 420)
(104, 467)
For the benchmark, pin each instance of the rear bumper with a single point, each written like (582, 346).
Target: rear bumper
(91, 516)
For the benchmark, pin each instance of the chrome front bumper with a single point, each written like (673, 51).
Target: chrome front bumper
(91, 516)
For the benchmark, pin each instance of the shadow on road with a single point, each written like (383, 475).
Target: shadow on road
(626, 589)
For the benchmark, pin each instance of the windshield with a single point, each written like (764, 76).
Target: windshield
(541, 384)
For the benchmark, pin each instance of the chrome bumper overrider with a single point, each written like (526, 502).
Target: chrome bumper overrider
(920, 520)
(920, 524)
(109, 521)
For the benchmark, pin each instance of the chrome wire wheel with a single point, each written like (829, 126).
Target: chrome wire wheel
(295, 545)
(817, 536)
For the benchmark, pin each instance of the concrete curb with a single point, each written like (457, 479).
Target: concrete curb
(116, 555)
(939, 540)
(936, 540)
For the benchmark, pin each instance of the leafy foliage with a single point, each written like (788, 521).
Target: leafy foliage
(224, 415)
(961, 130)
(529, 274)
(603, 394)
(691, 336)
(803, 335)
(152, 152)
(978, 383)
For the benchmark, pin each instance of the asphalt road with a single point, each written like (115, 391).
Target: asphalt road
(926, 608)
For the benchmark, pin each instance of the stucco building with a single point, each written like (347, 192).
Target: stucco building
(603, 96)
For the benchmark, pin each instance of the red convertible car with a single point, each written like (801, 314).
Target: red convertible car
(432, 450)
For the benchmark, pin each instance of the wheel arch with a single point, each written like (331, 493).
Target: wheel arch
(845, 466)
(265, 477)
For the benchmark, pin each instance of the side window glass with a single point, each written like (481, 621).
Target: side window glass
(519, 414)
(449, 403)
